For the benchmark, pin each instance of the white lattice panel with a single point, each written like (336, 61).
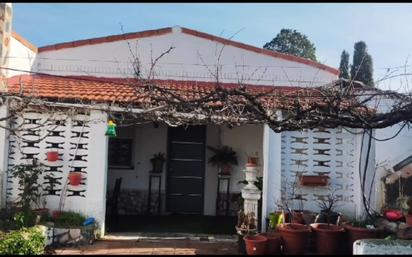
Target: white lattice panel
(61, 132)
(328, 152)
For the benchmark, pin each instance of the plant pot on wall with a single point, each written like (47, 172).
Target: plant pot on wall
(316, 180)
(75, 178)
(52, 156)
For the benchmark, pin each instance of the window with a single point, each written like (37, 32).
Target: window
(121, 153)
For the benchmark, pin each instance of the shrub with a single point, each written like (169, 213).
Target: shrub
(26, 241)
(24, 219)
(69, 219)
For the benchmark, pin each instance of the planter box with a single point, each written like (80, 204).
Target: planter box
(308, 180)
(71, 235)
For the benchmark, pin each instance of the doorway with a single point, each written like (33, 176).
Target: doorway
(185, 169)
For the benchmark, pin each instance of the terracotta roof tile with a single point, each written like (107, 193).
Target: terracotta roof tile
(123, 91)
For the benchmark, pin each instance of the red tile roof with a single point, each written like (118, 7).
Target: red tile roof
(157, 32)
(123, 91)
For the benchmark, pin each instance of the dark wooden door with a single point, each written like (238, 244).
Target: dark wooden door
(186, 169)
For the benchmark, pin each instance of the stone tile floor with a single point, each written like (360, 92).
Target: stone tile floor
(151, 247)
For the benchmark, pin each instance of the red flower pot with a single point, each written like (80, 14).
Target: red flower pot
(393, 215)
(52, 156)
(357, 233)
(329, 238)
(75, 178)
(273, 243)
(226, 170)
(309, 180)
(294, 237)
(252, 160)
(255, 245)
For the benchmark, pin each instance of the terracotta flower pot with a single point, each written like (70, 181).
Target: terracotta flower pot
(273, 243)
(255, 245)
(328, 238)
(52, 156)
(253, 160)
(75, 178)
(313, 180)
(408, 219)
(294, 237)
(357, 233)
(226, 170)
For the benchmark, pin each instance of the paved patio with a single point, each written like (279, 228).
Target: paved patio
(152, 247)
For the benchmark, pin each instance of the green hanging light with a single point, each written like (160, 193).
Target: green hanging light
(111, 129)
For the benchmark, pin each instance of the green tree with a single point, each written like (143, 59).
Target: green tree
(344, 65)
(362, 67)
(292, 42)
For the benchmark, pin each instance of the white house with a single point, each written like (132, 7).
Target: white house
(91, 75)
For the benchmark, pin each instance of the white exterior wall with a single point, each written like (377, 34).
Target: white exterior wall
(149, 140)
(245, 140)
(20, 57)
(87, 198)
(272, 153)
(185, 62)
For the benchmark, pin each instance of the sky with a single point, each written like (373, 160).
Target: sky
(332, 27)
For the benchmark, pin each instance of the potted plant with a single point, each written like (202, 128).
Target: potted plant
(253, 159)
(52, 155)
(253, 243)
(75, 178)
(273, 242)
(328, 235)
(363, 229)
(327, 213)
(405, 203)
(294, 237)
(157, 162)
(223, 158)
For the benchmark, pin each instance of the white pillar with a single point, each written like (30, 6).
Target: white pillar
(4, 148)
(251, 194)
(272, 153)
(97, 175)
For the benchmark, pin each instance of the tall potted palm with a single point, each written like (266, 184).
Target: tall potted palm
(223, 158)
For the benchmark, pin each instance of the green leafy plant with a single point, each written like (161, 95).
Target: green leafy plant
(223, 156)
(69, 219)
(24, 219)
(26, 241)
(405, 203)
(30, 190)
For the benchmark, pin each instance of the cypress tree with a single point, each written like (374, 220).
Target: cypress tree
(344, 65)
(362, 67)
